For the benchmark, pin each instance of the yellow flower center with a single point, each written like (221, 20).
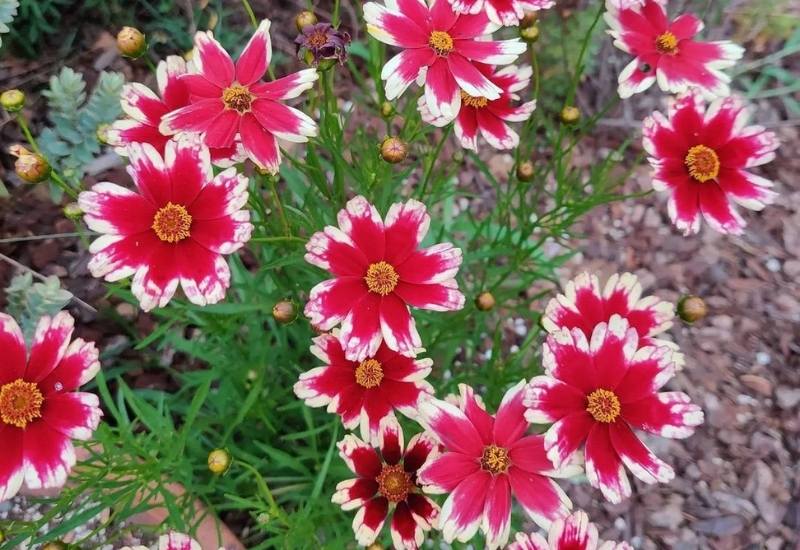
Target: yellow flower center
(702, 162)
(381, 278)
(238, 98)
(495, 459)
(394, 483)
(667, 43)
(471, 101)
(441, 42)
(172, 222)
(369, 373)
(603, 405)
(20, 403)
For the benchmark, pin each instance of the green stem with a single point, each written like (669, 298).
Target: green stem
(287, 239)
(57, 179)
(271, 180)
(435, 156)
(149, 63)
(250, 13)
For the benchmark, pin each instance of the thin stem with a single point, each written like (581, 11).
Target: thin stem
(271, 180)
(250, 13)
(23, 124)
(149, 63)
(57, 179)
(287, 239)
(435, 155)
(39, 237)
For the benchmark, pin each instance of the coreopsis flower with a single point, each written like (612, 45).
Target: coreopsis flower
(230, 102)
(40, 410)
(175, 229)
(575, 532)
(323, 42)
(487, 460)
(702, 156)
(145, 110)
(666, 51)
(490, 117)
(440, 48)
(386, 485)
(379, 271)
(364, 392)
(502, 12)
(171, 541)
(598, 390)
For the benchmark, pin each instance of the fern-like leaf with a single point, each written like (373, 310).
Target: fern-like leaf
(29, 301)
(8, 10)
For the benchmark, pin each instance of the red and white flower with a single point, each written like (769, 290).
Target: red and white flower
(573, 533)
(489, 116)
(702, 156)
(598, 390)
(666, 51)
(487, 460)
(175, 229)
(230, 101)
(379, 272)
(40, 410)
(172, 541)
(364, 393)
(440, 49)
(502, 12)
(145, 110)
(386, 485)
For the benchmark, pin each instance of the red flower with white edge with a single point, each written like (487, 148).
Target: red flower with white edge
(40, 410)
(230, 101)
(379, 271)
(489, 117)
(598, 390)
(364, 393)
(440, 49)
(502, 12)
(702, 156)
(666, 51)
(386, 485)
(175, 229)
(145, 110)
(487, 460)
(573, 533)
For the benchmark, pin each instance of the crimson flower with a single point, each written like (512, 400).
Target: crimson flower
(40, 409)
(666, 51)
(701, 155)
(490, 117)
(597, 390)
(364, 393)
(575, 532)
(440, 48)
(502, 12)
(229, 102)
(145, 110)
(385, 485)
(379, 271)
(487, 460)
(174, 230)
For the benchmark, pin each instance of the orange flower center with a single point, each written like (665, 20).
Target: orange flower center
(20, 403)
(172, 222)
(317, 39)
(702, 162)
(394, 483)
(369, 373)
(471, 101)
(238, 98)
(603, 405)
(381, 278)
(667, 43)
(441, 42)
(495, 459)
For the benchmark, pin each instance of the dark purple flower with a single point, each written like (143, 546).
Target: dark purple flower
(323, 42)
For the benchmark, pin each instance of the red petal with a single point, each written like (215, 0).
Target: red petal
(604, 467)
(539, 496)
(12, 342)
(212, 61)
(11, 470)
(49, 345)
(79, 366)
(452, 427)
(254, 59)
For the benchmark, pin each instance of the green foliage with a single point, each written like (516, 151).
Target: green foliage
(28, 301)
(8, 9)
(36, 20)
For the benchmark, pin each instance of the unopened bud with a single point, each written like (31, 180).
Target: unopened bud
(219, 460)
(375, 546)
(529, 34)
(54, 545)
(30, 167)
(304, 19)
(73, 211)
(525, 171)
(485, 301)
(570, 114)
(530, 19)
(102, 133)
(12, 100)
(692, 308)
(387, 109)
(131, 42)
(284, 312)
(394, 150)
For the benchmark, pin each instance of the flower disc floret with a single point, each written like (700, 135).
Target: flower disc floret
(603, 405)
(441, 42)
(667, 43)
(20, 403)
(172, 223)
(394, 482)
(238, 98)
(381, 278)
(495, 459)
(702, 163)
(369, 373)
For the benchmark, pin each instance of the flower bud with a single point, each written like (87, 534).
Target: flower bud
(54, 545)
(525, 171)
(30, 167)
(131, 42)
(570, 114)
(394, 150)
(530, 18)
(529, 34)
(387, 109)
(219, 460)
(102, 133)
(284, 312)
(72, 211)
(375, 546)
(692, 308)
(12, 100)
(304, 19)
(485, 301)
